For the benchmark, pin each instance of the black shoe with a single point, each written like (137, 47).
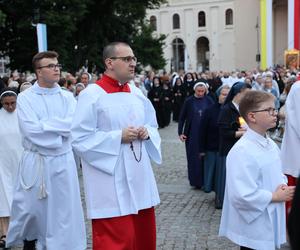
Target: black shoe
(29, 245)
(2, 241)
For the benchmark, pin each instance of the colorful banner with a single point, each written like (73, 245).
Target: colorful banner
(263, 33)
(266, 24)
(41, 30)
(269, 9)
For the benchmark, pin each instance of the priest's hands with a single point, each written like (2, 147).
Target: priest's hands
(143, 133)
(283, 193)
(131, 133)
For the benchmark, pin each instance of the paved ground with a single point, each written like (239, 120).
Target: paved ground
(186, 218)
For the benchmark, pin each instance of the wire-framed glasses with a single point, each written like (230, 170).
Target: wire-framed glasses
(271, 111)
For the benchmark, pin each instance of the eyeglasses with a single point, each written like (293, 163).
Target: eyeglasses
(51, 66)
(126, 59)
(271, 111)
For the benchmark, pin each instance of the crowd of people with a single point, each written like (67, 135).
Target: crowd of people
(227, 120)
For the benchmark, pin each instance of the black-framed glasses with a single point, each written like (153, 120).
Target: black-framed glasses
(51, 66)
(271, 111)
(126, 59)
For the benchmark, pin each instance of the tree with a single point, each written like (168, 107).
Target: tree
(77, 30)
(18, 35)
(149, 55)
(116, 21)
(2, 18)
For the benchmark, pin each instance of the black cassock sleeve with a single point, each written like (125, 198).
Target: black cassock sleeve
(294, 220)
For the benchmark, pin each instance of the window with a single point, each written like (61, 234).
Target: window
(153, 22)
(201, 19)
(229, 17)
(176, 21)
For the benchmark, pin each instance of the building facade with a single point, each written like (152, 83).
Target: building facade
(226, 34)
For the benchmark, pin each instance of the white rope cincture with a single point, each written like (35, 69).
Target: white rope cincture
(43, 192)
(40, 173)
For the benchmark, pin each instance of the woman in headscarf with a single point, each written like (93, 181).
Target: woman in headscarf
(24, 86)
(231, 129)
(188, 131)
(209, 138)
(78, 88)
(10, 154)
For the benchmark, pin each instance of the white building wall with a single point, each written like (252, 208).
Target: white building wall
(280, 30)
(247, 42)
(189, 31)
(188, 39)
(214, 41)
(231, 46)
(164, 27)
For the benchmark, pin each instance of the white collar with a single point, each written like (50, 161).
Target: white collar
(263, 141)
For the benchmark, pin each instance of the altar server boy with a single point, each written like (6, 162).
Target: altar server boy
(253, 213)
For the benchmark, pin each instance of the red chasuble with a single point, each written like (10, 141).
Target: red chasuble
(111, 85)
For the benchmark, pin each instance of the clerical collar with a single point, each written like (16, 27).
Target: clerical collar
(111, 85)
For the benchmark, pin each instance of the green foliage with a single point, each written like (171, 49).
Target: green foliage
(149, 49)
(77, 30)
(19, 32)
(2, 18)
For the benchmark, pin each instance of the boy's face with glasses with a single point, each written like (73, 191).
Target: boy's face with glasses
(266, 116)
(48, 72)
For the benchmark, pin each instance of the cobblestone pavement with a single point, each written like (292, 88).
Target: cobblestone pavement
(186, 218)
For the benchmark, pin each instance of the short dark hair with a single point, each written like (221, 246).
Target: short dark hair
(110, 50)
(39, 56)
(252, 101)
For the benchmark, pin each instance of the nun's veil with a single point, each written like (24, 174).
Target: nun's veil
(235, 89)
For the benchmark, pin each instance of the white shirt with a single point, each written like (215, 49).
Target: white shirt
(253, 172)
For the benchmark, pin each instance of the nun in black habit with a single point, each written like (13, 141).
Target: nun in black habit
(231, 130)
(189, 83)
(179, 91)
(155, 95)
